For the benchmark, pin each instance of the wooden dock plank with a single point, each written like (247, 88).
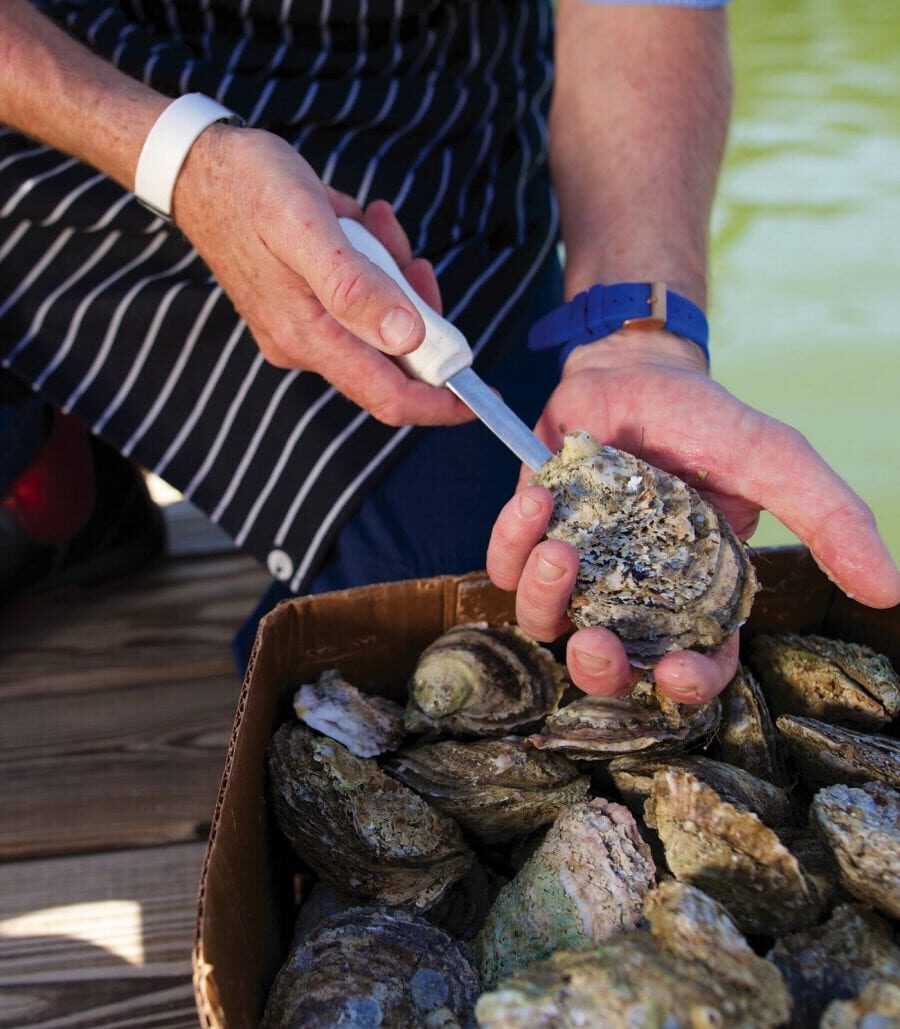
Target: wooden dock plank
(99, 940)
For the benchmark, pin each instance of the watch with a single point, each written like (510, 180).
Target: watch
(602, 309)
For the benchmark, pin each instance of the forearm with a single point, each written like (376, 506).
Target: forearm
(637, 131)
(56, 91)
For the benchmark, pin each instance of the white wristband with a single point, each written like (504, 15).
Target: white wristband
(167, 145)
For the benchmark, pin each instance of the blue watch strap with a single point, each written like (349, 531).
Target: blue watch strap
(600, 310)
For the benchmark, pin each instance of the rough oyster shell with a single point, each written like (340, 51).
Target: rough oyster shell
(598, 728)
(358, 828)
(689, 923)
(746, 735)
(657, 564)
(731, 855)
(366, 724)
(464, 907)
(825, 679)
(481, 680)
(370, 967)
(877, 1007)
(696, 970)
(831, 754)
(496, 789)
(861, 826)
(585, 882)
(634, 778)
(835, 960)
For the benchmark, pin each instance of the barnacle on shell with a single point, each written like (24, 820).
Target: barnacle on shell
(656, 563)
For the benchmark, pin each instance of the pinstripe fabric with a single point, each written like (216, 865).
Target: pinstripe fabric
(436, 106)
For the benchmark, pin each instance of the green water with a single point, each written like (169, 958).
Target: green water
(805, 313)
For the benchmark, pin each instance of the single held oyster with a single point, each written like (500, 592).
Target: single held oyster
(877, 1007)
(366, 724)
(695, 971)
(479, 680)
(585, 882)
(746, 734)
(371, 967)
(835, 960)
(647, 721)
(826, 679)
(657, 564)
(633, 777)
(361, 830)
(495, 788)
(831, 754)
(861, 827)
(732, 856)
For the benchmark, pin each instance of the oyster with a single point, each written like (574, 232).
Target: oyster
(746, 735)
(371, 967)
(689, 923)
(829, 680)
(496, 789)
(731, 855)
(861, 826)
(877, 1007)
(657, 564)
(464, 907)
(835, 960)
(479, 680)
(695, 970)
(597, 728)
(324, 900)
(831, 754)
(585, 882)
(358, 828)
(634, 778)
(366, 724)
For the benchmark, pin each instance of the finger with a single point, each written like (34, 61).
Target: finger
(420, 274)
(344, 205)
(519, 527)
(691, 678)
(542, 596)
(375, 383)
(380, 220)
(791, 480)
(598, 664)
(352, 289)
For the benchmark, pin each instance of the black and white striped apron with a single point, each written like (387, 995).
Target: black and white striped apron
(436, 105)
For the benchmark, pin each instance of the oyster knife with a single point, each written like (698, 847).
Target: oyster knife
(444, 358)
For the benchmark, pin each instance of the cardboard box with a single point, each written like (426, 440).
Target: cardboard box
(374, 635)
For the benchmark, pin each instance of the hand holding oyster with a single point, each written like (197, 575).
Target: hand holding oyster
(656, 564)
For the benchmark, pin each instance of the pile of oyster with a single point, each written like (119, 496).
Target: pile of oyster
(508, 852)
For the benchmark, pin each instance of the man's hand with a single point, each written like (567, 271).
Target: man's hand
(651, 396)
(267, 227)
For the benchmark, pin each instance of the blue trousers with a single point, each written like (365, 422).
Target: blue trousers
(433, 513)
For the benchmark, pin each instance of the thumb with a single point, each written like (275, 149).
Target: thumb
(359, 295)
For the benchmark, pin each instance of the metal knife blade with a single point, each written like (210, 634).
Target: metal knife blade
(503, 422)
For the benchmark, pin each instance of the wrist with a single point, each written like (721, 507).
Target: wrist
(628, 347)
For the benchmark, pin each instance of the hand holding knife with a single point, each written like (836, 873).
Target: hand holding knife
(444, 358)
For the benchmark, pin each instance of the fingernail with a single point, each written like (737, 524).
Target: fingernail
(528, 506)
(396, 327)
(685, 693)
(547, 571)
(593, 663)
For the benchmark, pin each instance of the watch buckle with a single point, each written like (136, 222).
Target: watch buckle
(658, 312)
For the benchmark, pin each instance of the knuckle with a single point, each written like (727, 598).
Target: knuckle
(346, 291)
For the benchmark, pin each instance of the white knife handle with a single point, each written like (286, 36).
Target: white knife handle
(444, 351)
